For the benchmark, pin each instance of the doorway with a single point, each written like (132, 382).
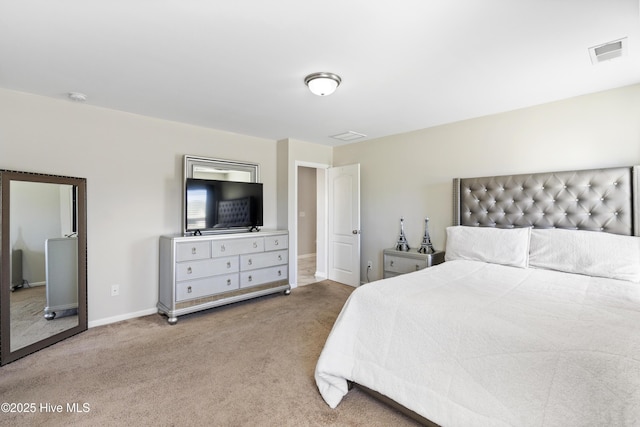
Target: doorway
(311, 223)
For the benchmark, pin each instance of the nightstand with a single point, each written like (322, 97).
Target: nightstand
(400, 262)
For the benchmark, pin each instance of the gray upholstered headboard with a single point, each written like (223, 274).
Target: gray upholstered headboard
(594, 199)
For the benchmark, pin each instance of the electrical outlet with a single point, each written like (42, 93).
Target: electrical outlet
(115, 290)
(369, 265)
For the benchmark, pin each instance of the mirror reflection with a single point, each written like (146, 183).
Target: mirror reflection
(44, 261)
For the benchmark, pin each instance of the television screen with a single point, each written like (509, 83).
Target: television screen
(219, 205)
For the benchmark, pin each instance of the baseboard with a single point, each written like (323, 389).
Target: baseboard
(320, 275)
(120, 318)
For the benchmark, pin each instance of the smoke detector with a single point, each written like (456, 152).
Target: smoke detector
(77, 96)
(608, 51)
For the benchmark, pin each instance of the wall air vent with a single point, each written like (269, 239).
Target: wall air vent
(348, 136)
(608, 51)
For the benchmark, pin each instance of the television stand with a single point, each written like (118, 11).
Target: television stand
(201, 272)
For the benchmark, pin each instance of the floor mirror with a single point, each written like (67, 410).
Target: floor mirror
(43, 268)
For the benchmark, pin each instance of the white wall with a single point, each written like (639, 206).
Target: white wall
(36, 215)
(411, 174)
(133, 166)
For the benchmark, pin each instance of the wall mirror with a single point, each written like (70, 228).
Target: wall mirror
(226, 170)
(43, 268)
(218, 169)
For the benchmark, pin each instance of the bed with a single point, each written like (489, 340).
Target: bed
(534, 318)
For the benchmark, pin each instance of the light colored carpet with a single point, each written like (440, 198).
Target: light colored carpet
(247, 364)
(28, 324)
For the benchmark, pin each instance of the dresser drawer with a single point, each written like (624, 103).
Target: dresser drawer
(397, 264)
(237, 246)
(262, 260)
(273, 243)
(199, 288)
(192, 250)
(190, 270)
(264, 275)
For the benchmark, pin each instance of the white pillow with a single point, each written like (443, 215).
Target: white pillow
(586, 252)
(494, 245)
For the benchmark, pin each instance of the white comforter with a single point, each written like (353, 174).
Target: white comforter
(467, 343)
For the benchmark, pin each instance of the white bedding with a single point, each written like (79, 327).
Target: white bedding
(468, 343)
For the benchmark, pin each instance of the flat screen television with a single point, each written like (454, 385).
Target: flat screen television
(216, 206)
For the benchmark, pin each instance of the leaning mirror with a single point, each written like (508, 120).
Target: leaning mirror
(43, 268)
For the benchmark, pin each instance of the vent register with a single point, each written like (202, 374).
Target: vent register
(608, 51)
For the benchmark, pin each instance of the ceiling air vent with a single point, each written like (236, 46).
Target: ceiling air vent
(348, 136)
(607, 51)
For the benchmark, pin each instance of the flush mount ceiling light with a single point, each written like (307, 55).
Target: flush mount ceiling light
(322, 84)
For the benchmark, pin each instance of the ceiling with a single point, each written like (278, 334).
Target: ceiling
(239, 65)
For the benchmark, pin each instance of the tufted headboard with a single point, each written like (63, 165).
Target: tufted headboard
(234, 213)
(594, 199)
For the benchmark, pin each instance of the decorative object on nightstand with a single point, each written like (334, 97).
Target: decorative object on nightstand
(402, 244)
(426, 247)
(400, 262)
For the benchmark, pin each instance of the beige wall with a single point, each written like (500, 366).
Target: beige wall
(307, 207)
(411, 174)
(133, 166)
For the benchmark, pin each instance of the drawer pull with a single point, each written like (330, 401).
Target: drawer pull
(189, 290)
(279, 257)
(276, 242)
(279, 273)
(255, 244)
(228, 264)
(250, 278)
(189, 270)
(228, 282)
(391, 263)
(417, 267)
(222, 248)
(249, 261)
(193, 250)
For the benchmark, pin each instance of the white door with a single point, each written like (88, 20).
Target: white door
(344, 224)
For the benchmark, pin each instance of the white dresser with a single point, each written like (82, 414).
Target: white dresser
(200, 272)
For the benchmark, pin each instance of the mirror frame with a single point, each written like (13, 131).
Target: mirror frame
(192, 161)
(6, 176)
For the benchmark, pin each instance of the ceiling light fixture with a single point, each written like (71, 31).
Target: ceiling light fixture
(322, 84)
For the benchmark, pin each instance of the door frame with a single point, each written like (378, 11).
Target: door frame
(322, 257)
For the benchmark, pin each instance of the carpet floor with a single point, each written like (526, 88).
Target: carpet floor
(246, 364)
